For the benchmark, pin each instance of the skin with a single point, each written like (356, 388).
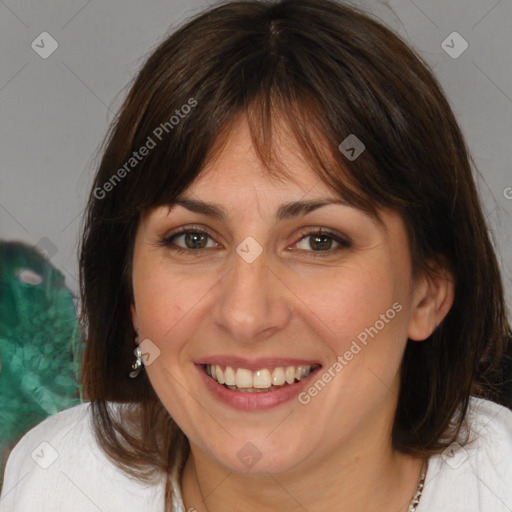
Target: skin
(335, 452)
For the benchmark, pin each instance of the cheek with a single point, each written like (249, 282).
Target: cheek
(346, 302)
(168, 302)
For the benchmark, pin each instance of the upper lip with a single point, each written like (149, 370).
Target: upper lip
(255, 364)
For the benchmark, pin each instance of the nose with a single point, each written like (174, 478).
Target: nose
(252, 304)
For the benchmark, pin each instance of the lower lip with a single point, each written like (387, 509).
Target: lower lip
(256, 400)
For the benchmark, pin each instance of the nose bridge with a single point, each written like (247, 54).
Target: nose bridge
(251, 304)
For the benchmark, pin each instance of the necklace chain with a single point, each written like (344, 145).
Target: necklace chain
(412, 506)
(419, 490)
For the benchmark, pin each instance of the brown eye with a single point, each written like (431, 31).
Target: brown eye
(189, 240)
(321, 241)
(194, 240)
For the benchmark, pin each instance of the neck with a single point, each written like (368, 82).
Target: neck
(349, 479)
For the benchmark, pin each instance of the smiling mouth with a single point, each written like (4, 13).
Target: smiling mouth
(260, 381)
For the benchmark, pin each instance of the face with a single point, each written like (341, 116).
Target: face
(303, 313)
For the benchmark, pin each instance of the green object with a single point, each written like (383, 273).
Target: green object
(40, 343)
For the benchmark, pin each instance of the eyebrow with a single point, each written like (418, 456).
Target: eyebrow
(285, 211)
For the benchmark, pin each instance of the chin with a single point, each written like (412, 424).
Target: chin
(259, 458)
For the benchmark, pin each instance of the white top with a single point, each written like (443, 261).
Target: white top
(58, 467)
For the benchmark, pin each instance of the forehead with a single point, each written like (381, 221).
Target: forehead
(235, 162)
(236, 174)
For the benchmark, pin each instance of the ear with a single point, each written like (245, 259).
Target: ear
(433, 298)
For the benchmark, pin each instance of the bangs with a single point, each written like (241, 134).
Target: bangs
(277, 117)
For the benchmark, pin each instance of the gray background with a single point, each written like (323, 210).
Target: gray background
(55, 111)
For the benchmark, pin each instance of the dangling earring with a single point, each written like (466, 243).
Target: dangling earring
(137, 366)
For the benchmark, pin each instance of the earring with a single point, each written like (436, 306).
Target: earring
(137, 366)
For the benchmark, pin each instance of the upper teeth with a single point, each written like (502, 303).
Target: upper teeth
(264, 378)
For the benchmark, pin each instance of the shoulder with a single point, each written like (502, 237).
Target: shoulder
(55, 436)
(476, 476)
(490, 421)
(58, 465)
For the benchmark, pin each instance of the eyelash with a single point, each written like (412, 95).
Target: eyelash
(167, 241)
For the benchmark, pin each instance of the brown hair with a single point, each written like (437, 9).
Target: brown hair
(327, 70)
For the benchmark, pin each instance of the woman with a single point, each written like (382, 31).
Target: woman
(285, 230)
